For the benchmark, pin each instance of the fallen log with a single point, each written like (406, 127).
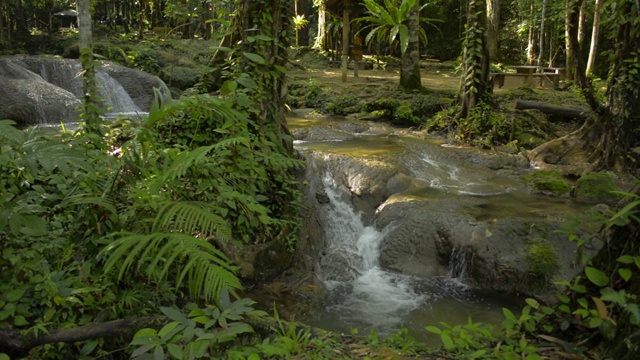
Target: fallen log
(557, 112)
(17, 345)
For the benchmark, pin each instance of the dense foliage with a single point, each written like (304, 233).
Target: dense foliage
(104, 233)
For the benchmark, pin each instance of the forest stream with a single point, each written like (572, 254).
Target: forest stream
(363, 293)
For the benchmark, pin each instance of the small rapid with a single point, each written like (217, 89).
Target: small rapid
(361, 293)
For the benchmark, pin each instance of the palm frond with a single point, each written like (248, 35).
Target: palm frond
(190, 217)
(405, 9)
(207, 269)
(378, 11)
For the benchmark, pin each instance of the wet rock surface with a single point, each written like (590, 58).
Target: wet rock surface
(444, 211)
(42, 90)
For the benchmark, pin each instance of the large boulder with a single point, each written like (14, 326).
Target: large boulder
(27, 99)
(489, 243)
(40, 90)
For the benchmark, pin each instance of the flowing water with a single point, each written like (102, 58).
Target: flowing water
(365, 296)
(65, 76)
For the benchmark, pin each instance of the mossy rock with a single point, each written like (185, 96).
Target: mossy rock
(597, 186)
(543, 262)
(343, 105)
(181, 77)
(404, 116)
(306, 94)
(547, 182)
(389, 105)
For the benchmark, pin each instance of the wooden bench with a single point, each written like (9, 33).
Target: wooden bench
(542, 79)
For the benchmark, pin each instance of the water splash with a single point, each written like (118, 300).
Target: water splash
(362, 293)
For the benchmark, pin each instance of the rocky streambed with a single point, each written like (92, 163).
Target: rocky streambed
(404, 229)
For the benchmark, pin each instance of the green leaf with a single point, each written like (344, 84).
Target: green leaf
(158, 354)
(14, 295)
(228, 88)
(4, 356)
(626, 259)
(167, 329)
(625, 274)
(447, 341)
(247, 82)
(258, 59)
(175, 315)
(596, 276)
(404, 38)
(433, 329)
(20, 321)
(175, 351)
(263, 37)
(478, 354)
(508, 314)
(533, 303)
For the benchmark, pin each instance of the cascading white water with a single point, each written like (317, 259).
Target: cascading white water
(114, 95)
(66, 74)
(362, 293)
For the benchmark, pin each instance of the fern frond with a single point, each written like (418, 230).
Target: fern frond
(10, 134)
(207, 270)
(90, 199)
(190, 217)
(179, 166)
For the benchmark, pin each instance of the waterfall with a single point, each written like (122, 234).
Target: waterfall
(459, 262)
(114, 96)
(362, 293)
(63, 77)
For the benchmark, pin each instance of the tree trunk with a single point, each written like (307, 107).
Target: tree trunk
(581, 25)
(410, 71)
(493, 27)
(84, 24)
(591, 63)
(543, 14)
(90, 102)
(321, 37)
(531, 39)
(2, 22)
(475, 87)
(346, 30)
(271, 92)
(141, 18)
(618, 134)
(609, 137)
(569, 66)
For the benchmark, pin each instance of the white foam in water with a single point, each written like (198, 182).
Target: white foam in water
(371, 295)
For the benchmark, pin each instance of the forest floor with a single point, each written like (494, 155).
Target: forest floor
(439, 77)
